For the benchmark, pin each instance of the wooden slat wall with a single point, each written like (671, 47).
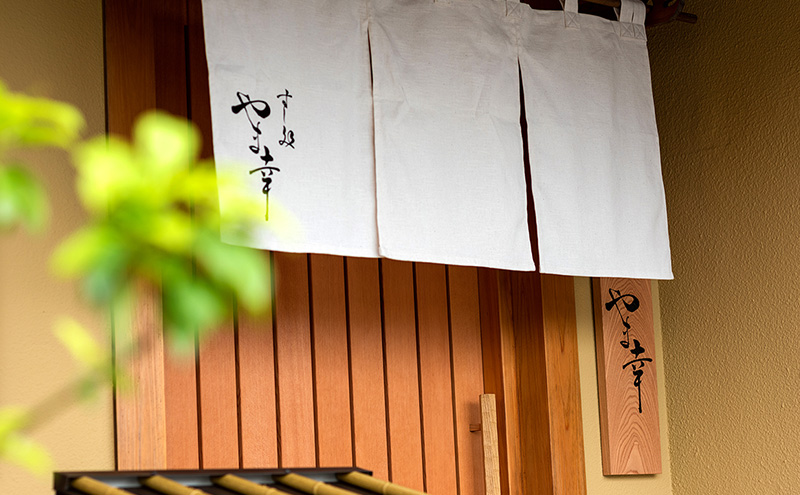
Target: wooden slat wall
(294, 362)
(331, 361)
(367, 377)
(467, 368)
(433, 347)
(404, 422)
(142, 429)
(374, 363)
(256, 353)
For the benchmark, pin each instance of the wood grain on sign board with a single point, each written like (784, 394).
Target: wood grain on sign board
(331, 377)
(433, 338)
(366, 366)
(258, 409)
(293, 355)
(630, 439)
(402, 375)
(465, 322)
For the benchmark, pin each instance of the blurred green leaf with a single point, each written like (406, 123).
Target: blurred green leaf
(22, 200)
(12, 418)
(192, 305)
(21, 450)
(153, 211)
(153, 222)
(107, 173)
(243, 269)
(80, 343)
(171, 231)
(166, 145)
(16, 447)
(30, 121)
(76, 255)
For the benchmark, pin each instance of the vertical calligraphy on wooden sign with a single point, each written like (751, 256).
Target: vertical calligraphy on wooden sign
(626, 372)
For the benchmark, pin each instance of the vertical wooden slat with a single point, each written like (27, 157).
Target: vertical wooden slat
(366, 358)
(180, 393)
(534, 426)
(140, 416)
(130, 63)
(293, 347)
(331, 377)
(435, 379)
(199, 99)
(465, 322)
(180, 379)
(219, 420)
(258, 413)
(500, 370)
(563, 384)
(217, 354)
(508, 363)
(402, 379)
(169, 41)
(141, 427)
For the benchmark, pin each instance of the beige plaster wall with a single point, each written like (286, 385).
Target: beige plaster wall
(51, 48)
(727, 94)
(596, 483)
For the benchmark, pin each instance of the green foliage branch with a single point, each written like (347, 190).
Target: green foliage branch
(152, 225)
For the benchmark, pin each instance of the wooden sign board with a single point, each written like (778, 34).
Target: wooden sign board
(626, 372)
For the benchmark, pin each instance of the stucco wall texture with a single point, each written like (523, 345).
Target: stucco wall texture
(727, 95)
(55, 49)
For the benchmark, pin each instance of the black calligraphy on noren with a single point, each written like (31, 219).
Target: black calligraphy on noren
(257, 111)
(630, 304)
(288, 134)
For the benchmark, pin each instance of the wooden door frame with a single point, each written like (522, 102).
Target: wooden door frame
(530, 354)
(528, 321)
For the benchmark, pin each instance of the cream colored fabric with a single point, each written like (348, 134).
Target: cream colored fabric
(448, 146)
(442, 178)
(308, 61)
(595, 166)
